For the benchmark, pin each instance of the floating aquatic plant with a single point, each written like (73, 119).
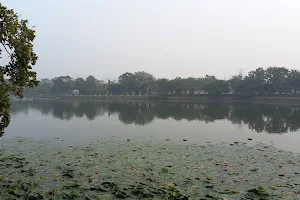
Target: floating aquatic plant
(109, 169)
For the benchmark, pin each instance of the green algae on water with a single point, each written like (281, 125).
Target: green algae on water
(139, 169)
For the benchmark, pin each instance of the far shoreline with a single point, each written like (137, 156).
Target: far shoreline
(265, 99)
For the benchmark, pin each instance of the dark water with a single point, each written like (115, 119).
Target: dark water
(85, 121)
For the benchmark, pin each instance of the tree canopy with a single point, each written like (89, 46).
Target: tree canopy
(273, 80)
(16, 52)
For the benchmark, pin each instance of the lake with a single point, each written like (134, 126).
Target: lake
(83, 121)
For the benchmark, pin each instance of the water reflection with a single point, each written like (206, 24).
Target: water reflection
(258, 117)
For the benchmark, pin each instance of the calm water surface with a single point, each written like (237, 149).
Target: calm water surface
(84, 121)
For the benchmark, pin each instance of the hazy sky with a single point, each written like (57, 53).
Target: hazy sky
(167, 38)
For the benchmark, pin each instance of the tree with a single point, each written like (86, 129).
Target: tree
(63, 85)
(114, 88)
(162, 86)
(235, 82)
(44, 87)
(80, 85)
(191, 84)
(217, 87)
(128, 81)
(176, 85)
(90, 85)
(276, 77)
(293, 80)
(254, 82)
(58, 86)
(16, 39)
(101, 87)
(207, 83)
(145, 82)
(68, 83)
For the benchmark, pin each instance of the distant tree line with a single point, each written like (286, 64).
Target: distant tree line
(273, 80)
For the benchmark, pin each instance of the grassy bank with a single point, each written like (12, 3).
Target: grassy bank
(110, 169)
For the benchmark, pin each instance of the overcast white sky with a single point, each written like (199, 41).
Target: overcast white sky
(167, 38)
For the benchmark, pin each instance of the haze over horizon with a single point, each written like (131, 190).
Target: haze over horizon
(170, 38)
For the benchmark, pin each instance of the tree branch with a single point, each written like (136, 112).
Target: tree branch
(6, 49)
